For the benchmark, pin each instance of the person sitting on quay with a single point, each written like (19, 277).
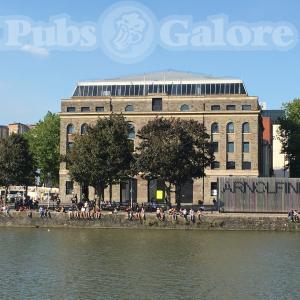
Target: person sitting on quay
(192, 215)
(42, 211)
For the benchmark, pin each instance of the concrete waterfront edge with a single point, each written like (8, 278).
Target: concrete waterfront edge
(108, 220)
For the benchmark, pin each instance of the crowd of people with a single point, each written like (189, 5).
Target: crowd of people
(293, 215)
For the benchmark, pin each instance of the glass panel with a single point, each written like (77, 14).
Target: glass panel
(222, 88)
(99, 108)
(207, 89)
(230, 107)
(156, 104)
(231, 88)
(217, 89)
(246, 165)
(86, 90)
(242, 89)
(203, 89)
(76, 93)
(193, 89)
(215, 128)
(131, 90)
(85, 109)
(246, 107)
(212, 88)
(215, 107)
(230, 147)
(230, 128)
(131, 131)
(215, 146)
(236, 88)
(71, 109)
(184, 107)
(188, 89)
(230, 165)
(215, 165)
(213, 188)
(245, 127)
(227, 88)
(246, 147)
(183, 90)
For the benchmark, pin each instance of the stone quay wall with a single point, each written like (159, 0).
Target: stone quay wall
(208, 221)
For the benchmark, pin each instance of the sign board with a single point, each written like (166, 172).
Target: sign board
(258, 194)
(159, 195)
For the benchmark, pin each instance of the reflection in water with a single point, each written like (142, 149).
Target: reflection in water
(153, 264)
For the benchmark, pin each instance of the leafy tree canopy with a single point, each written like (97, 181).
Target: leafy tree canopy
(290, 135)
(44, 145)
(16, 162)
(173, 150)
(103, 155)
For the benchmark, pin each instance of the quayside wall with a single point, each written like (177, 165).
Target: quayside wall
(216, 221)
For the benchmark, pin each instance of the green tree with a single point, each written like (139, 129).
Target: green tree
(173, 150)
(44, 145)
(102, 156)
(16, 162)
(290, 136)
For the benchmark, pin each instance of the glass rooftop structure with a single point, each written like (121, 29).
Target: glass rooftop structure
(169, 82)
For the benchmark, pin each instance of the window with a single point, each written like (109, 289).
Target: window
(230, 147)
(69, 187)
(245, 127)
(230, 128)
(230, 107)
(214, 128)
(99, 108)
(246, 165)
(246, 107)
(129, 107)
(230, 165)
(215, 146)
(84, 128)
(85, 109)
(184, 107)
(71, 109)
(157, 104)
(131, 131)
(70, 146)
(215, 107)
(215, 165)
(70, 129)
(246, 147)
(213, 188)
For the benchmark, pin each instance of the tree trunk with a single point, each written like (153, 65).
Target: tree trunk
(5, 195)
(178, 195)
(168, 193)
(100, 192)
(110, 192)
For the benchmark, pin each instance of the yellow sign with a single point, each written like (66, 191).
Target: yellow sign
(159, 195)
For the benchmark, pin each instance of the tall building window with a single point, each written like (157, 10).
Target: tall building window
(246, 165)
(230, 147)
(230, 127)
(99, 108)
(129, 107)
(245, 127)
(246, 107)
(215, 107)
(184, 107)
(213, 188)
(71, 109)
(69, 187)
(131, 131)
(70, 129)
(157, 104)
(214, 127)
(246, 147)
(215, 146)
(85, 109)
(84, 128)
(230, 165)
(230, 107)
(215, 165)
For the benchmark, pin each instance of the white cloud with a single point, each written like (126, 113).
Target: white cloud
(35, 50)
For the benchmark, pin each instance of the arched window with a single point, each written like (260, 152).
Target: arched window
(84, 128)
(230, 128)
(184, 107)
(131, 131)
(70, 129)
(214, 127)
(129, 107)
(246, 127)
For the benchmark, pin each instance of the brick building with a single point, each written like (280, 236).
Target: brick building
(231, 116)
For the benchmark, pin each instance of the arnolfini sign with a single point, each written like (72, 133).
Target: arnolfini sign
(251, 194)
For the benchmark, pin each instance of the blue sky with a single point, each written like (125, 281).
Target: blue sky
(31, 84)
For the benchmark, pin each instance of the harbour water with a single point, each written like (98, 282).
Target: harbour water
(148, 264)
